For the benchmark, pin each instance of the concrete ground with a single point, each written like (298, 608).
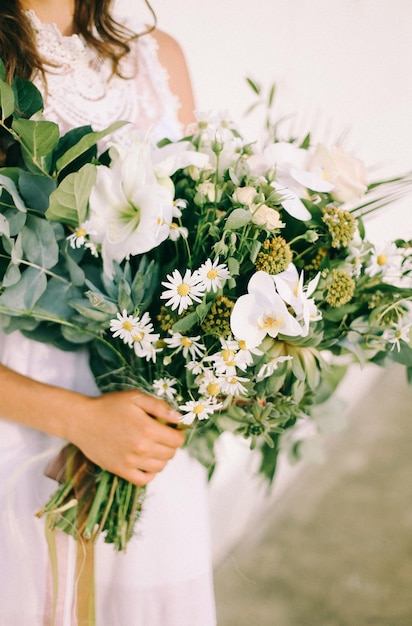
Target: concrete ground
(336, 548)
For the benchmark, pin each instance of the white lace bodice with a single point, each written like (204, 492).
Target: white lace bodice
(81, 90)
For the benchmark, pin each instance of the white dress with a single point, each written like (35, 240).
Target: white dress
(165, 577)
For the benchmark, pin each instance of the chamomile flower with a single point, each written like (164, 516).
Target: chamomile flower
(190, 346)
(144, 338)
(79, 237)
(232, 385)
(209, 385)
(125, 326)
(399, 332)
(213, 275)
(165, 387)
(384, 259)
(268, 368)
(181, 291)
(198, 409)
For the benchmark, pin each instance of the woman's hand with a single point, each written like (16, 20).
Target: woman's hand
(128, 433)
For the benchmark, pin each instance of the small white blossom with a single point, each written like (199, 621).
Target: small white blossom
(399, 332)
(385, 259)
(232, 385)
(198, 409)
(182, 291)
(213, 275)
(165, 387)
(190, 346)
(124, 327)
(79, 237)
(209, 384)
(268, 368)
(177, 231)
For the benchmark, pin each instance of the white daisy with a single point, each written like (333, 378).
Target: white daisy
(399, 332)
(189, 345)
(144, 338)
(165, 387)
(79, 238)
(213, 275)
(124, 327)
(182, 292)
(198, 409)
(268, 368)
(209, 385)
(232, 385)
(385, 259)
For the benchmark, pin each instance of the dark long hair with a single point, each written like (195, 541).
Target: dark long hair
(92, 20)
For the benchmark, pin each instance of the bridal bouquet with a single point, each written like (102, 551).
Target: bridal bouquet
(235, 282)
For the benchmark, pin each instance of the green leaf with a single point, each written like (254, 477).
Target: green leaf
(237, 219)
(28, 98)
(55, 300)
(4, 226)
(2, 71)
(234, 266)
(11, 276)
(19, 299)
(86, 310)
(36, 189)
(255, 87)
(6, 101)
(85, 143)
(69, 202)
(39, 242)
(7, 184)
(186, 323)
(75, 335)
(77, 275)
(38, 137)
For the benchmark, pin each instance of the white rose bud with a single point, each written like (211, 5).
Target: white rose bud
(244, 195)
(343, 170)
(210, 191)
(267, 217)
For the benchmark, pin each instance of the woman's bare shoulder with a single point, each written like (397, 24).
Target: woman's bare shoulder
(171, 56)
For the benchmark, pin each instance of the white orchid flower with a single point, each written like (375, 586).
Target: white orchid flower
(130, 211)
(262, 312)
(290, 287)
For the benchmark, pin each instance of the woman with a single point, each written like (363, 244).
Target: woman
(90, 70)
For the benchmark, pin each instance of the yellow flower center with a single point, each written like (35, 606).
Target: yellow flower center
(186, 343)
(212, 274)
(213, 389)
(271, 323)
(138, 336)
(183, 289)
(382, 259)
(127, 326)
(81, 232)
(198, 409)
(242, 345)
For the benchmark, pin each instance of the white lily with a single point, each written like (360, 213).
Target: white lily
(262, 312)
(130, 211)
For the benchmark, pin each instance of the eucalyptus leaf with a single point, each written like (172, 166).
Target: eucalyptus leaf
(12, 275)
(39, 242)
(8, 184)
(54, 303)
(69, 202)
(19, 299)
(77, 275)
(83, 307)
(4, 226)
(76, 335)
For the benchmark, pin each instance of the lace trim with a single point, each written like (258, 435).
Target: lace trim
(81, 88)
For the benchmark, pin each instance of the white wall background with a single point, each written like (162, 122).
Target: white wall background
(340, 65)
